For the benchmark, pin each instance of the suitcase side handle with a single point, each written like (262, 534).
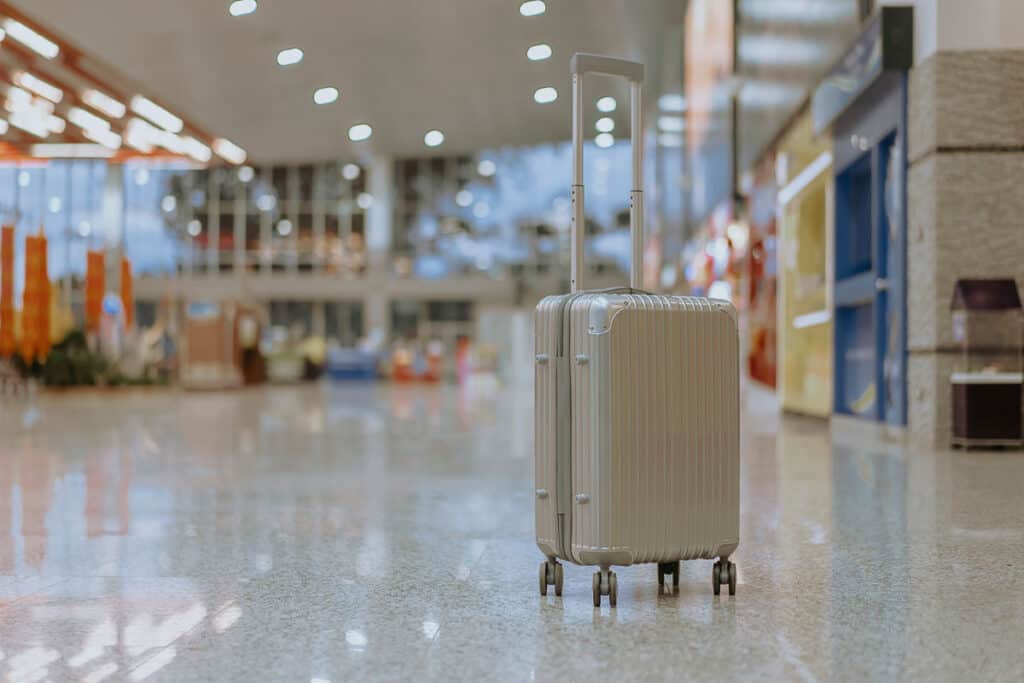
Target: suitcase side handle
(581, 64)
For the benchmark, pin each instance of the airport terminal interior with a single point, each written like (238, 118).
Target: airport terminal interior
(279, 393)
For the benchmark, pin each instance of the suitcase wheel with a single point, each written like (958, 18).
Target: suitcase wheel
(605, 583)
(550, 575)
(724, 573)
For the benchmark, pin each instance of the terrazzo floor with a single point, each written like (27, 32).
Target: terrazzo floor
(343, 533)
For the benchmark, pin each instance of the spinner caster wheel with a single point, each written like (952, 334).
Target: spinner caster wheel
(605, 583)
(550, 575)
(724, 573)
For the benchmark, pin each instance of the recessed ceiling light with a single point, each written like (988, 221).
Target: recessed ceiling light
(104, 103)
(486, 168)
(545, 95)
(157, 114)
(24, 179)
(672, 103)
(141, 177)
(284, 227)
(240, 8)
(364, 200)
(481, 209)
(360, 132)
(55, 204)
(532, 8)
(433, 138)
(605, 125)
(671, 124)
(168, 203)
(350, 172)
(29, 38)
(606, 104)
(292, 55)
(604, 140)
(195, 227)
(464, 198)
(325, 95)
(84, 228)
(538, 52)
(246, 174)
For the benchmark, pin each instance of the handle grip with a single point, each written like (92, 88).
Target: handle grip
(582, 64)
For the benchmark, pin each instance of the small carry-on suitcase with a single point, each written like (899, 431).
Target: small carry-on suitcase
(636, 409)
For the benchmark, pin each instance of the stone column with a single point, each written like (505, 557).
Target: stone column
(966, 208)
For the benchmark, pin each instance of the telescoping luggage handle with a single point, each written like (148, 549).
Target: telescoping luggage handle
(634, 72)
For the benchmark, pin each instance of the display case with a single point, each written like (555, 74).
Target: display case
(988, 376)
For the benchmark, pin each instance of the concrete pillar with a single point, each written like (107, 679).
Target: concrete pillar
(966, 156)
(213, 220)
(379, 215)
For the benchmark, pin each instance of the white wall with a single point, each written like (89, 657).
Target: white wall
(966, 25)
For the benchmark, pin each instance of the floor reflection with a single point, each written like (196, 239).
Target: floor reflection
(352, 532)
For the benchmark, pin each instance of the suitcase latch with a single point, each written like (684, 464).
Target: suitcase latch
(542, 358)
(542, 493)
(582, 498)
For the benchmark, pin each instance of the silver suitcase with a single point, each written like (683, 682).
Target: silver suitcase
(636, 410)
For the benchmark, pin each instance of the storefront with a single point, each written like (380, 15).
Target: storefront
(804, 173)
(758, 239)
(864, 100)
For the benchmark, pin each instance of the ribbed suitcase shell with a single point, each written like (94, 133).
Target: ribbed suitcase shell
(652, 471)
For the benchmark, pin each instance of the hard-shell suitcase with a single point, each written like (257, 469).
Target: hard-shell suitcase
(636, 409)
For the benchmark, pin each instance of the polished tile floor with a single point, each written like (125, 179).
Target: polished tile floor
(327, 533)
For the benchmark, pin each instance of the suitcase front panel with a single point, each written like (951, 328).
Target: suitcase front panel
(655, 453)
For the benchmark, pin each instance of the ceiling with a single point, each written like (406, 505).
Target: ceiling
(403, 66)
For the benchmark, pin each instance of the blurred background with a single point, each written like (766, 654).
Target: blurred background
(385, 194)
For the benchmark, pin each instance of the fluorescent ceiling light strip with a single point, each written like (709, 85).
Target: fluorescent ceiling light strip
(197, 150)
(70, 151)
(31, 39)
(31, 121)
(157, 114)
(805, 178)
(39, 86)
(229, 151)
(86, 120)
(806, 320)
(107, 138)
(104, 103)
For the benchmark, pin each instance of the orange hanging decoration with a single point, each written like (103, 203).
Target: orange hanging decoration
(43, 294)
(30, 300)
(127, 293)
(7, 345)
(94, 286)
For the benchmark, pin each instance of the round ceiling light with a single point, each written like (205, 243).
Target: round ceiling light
(239, 8)
(606, 104)
(604, 140)
(360, 132)
(350, 172)
(605, 124)
(292, 55)
(433, 138)
(545, 95)
(325, 95)
(539, 52)
(532, 8)
(486, 168)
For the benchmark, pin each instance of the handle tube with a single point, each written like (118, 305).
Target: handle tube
(582, 64)
(577, 231)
